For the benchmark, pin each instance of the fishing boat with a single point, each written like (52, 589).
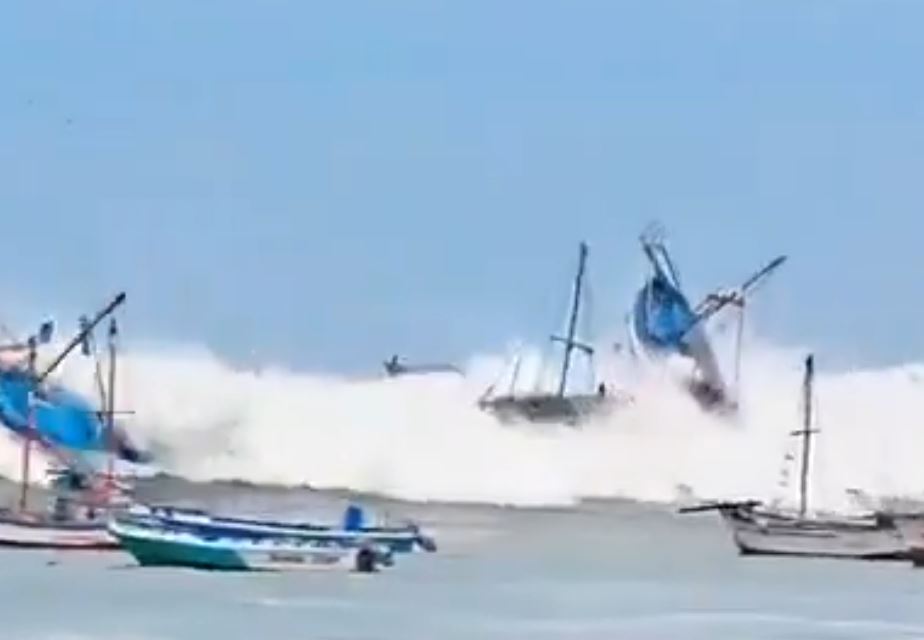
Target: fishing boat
(560, 406)
(758, 530)
(663, 323)
(33, 406)
(153, 545)
(352, 532)
(80, 497)
(394, 368)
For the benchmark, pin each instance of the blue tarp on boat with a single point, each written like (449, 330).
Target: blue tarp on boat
(63, 418)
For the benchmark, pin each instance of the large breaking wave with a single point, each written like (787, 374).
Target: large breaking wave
(423, 438)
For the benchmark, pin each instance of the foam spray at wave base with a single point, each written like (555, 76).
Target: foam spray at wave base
(423, 438)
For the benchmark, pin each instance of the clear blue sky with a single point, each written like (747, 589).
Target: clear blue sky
(328, 182)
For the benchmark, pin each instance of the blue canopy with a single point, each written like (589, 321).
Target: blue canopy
(662, 315)
(63, 418)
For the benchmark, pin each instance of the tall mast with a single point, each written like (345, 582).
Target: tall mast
(806, 433)
(30, 427)
(572, 320)
(110, 402)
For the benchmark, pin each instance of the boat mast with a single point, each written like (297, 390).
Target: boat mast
(110, 404)
(570, 344)
(806, 433)
(30, 426)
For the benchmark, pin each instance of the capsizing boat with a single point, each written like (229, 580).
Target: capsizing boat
(60, 424)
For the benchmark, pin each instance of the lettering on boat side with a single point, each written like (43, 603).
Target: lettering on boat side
(281, 556)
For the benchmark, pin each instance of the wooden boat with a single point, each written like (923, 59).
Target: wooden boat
(353, 532)
(80, 498)
(25, 530)
(762, 531)
(664, 323)
(155, 546)
(560, 406)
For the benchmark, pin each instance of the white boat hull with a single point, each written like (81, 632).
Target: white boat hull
(49, 535)
(771, 534)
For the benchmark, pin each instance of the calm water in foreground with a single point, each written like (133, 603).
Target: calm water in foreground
(600, 571)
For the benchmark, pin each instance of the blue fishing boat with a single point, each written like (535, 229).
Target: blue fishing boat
(66, 428)
(33, 406)
(354, 531)
(153, 545)
(663, 322)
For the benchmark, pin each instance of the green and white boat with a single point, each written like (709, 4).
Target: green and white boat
(154, 546)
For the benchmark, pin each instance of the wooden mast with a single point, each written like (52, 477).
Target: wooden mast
(110, 405)
(30, 426)
(572, 320)
(806, 433)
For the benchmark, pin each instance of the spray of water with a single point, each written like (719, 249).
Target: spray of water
(423, 437)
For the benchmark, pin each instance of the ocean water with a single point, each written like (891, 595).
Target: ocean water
(599, 570)
(549, 532)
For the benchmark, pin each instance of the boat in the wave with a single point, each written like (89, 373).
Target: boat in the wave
(154, 543)
(561, 406)
(353, 531)
(394, 368)
(35, 407)
(81, 496)
(759, 530)
(663, 322)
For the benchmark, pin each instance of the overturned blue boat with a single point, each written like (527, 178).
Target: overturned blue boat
(664, 323)
(61, 419)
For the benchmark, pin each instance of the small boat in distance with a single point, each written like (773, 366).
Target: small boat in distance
(560, 406)
(394, 368)
(768, 531)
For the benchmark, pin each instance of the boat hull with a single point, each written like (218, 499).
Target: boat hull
(550, 408)
(153, 547)
(403, 539)
(911, 527)
(776, 535)
(23, 533)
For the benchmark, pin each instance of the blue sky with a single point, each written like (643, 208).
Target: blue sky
(324, 183)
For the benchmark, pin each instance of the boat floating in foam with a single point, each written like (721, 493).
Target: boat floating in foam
(563, 405)
(759, 530)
